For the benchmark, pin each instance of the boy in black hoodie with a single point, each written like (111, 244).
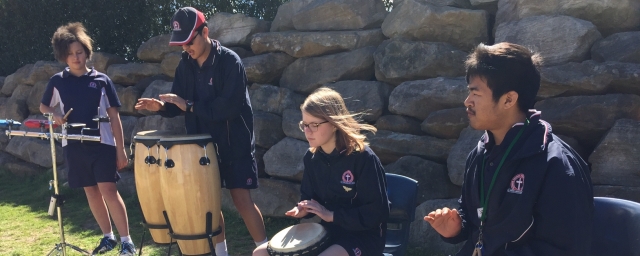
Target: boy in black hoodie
(525, 191)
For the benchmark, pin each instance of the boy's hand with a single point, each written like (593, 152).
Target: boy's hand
(445, 221)
(149, 104)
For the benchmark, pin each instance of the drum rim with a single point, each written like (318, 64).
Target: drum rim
(185, 137)
(321, 245)
(323, 235)
(163, 133)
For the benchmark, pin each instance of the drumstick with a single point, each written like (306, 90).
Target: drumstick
(67, 115)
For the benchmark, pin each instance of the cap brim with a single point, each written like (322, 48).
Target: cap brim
(180, 38)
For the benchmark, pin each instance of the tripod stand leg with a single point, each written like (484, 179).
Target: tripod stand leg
(142, 241)
(55, 251)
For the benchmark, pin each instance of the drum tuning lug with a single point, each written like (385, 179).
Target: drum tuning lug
(205, 161)
(150, 160)
(169, 163)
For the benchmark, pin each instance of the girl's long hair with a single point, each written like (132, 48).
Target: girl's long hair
(328, 104)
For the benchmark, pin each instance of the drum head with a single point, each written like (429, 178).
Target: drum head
(152, 135)
(297, 237)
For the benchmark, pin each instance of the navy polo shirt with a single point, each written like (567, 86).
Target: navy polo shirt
(85, 94)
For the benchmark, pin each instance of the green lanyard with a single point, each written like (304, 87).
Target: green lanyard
(484, 200)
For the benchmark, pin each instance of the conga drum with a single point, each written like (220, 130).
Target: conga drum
(147, 175)
(190, 185)
(308, 239)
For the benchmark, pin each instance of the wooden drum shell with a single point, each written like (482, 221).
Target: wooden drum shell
(190, 190)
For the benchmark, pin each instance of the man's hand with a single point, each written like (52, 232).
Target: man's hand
(149, 104)
(174, 99)
(445, 221)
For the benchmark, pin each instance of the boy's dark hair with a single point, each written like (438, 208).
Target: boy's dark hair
(66, 35)
(507, 67)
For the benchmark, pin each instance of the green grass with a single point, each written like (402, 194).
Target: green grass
(27, 229)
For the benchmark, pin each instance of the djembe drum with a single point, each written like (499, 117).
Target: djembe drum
(308, 239)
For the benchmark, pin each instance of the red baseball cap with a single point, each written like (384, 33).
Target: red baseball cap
(184, 24)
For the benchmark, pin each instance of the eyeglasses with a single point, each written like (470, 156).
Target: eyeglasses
(190, 43)
(312, 126)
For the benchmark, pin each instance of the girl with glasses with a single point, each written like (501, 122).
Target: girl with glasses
(344, 182)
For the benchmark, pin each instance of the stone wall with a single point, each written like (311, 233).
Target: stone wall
(405, 70)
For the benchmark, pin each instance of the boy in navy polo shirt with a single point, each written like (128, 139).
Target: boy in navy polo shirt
(92, 165)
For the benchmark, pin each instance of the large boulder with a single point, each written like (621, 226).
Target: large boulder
(339, 15)
(589, 77)
(128, 97)
(170, 63)
(34, 151)
(433, 181)
(43, 71)
(557, 39)
(490, 6)
(14, 109)
(623, 47)
(398, 60)
(399, 124)
(290, 124)
(266, 68)
(626, 77)
(609, 16)
(423, 21)
(102, 60)
(266, 128)
(235, 29)
(588, 118)
(35, 96)
(23, 169)
(456, 162)
(242, 52)
(22, 92)
(156, 88)
(157, 122)
(128, 125)
(131, 73)
(453, 3)
(154, 49)
(284, 159)
(12, 81)
(273, 197)
(273, 99)
(368, 98)
(309, 44)
(353, 65)
(424, 236)
(144, 83)
(284, 17)
(615, 160)
(446, 123)
(390, 146)
(420, 98)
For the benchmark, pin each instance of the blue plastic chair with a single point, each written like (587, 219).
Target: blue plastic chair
(401, 192)
(616, 227)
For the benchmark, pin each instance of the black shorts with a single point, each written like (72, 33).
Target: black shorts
(363, 243)
(239, 174)
(90, 163)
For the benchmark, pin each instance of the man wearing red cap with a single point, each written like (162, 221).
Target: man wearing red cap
(210, 90)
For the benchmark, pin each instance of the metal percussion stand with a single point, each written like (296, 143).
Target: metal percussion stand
(59, 249)
(57, 199)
